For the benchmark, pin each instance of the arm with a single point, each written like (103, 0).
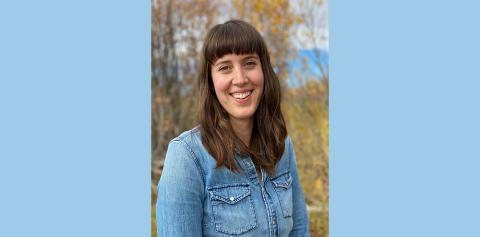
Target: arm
(300, 216)
(180, 193)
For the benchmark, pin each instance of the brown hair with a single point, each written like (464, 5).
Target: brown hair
(269, 131)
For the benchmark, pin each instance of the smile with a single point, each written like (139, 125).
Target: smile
(241, 95)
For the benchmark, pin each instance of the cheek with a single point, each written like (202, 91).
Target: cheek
(220, 85)
(257, 78)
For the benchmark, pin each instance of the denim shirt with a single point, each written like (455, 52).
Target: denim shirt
(197, 199)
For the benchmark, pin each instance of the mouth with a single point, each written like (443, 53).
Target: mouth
(241, 95)
(242, 98)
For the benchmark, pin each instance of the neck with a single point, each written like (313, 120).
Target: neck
(243, 129)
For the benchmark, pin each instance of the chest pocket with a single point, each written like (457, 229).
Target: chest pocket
(233, 210)
(283, 188)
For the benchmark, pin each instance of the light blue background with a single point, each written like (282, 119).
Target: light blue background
(75, 118)
(405, 114)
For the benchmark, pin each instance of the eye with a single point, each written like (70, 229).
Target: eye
(224, 68)
(250, 64)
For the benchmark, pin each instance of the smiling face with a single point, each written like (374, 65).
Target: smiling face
(238, 83)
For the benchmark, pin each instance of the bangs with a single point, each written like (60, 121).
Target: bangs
(232, 38)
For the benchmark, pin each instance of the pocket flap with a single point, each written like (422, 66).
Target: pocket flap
(283, 181)
(230, 193)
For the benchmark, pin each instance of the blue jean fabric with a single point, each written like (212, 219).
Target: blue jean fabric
(197, 199)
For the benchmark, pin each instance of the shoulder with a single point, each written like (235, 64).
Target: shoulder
(182, 153)
(283, 165)
(190, 142)
(288, 151)
(188, 139)
(288, 143)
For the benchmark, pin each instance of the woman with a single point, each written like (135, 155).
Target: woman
(235, 174)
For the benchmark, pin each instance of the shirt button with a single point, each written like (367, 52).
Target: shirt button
(273, 222)
(231, 199)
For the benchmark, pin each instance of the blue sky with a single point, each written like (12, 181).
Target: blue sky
(296, 64)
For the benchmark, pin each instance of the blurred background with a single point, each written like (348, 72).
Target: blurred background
(296, 33)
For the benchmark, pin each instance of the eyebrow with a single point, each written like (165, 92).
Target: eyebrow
(221, 62)
(243, 59)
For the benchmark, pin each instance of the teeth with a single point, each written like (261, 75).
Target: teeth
(241, 95)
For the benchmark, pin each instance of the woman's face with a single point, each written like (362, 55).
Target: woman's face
(238, 82)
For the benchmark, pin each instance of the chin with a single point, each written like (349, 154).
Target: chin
(243, 115)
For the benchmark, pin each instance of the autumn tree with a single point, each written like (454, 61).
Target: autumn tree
(178, 28)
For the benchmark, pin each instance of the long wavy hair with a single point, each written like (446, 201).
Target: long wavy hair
(269, 131)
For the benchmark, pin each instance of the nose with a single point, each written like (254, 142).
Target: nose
(239, 77)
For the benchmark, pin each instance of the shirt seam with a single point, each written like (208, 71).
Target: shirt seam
(192, 156)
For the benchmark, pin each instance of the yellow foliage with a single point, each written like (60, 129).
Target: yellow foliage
(318, 184)
(306, 113)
